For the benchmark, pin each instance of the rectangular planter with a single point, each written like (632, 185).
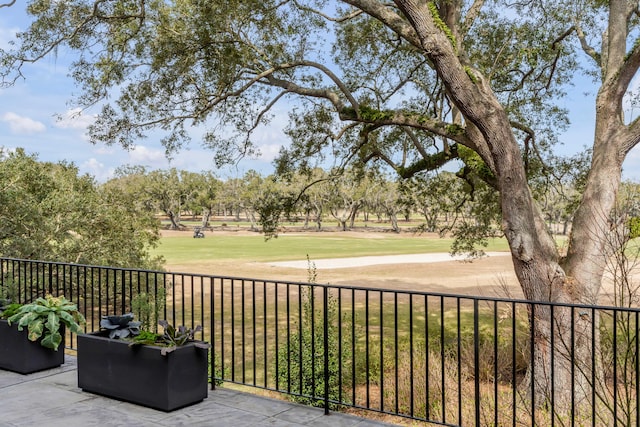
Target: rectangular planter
(140, 374)
(18, 354)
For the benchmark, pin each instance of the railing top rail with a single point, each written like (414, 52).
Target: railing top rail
(441, 295)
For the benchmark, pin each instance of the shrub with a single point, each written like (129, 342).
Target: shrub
(301, 359)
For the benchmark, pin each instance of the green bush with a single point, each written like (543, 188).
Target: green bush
(301, 358)
(148, 307)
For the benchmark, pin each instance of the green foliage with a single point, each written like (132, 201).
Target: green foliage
(8, 310)
(454, 129)
(183, 63)
(176, 337)
(634, 227)
(370, 114)
(475, 164)
(442, 26)
(217, 374)
(145, 337)
(8, 290)
(44, 317)
(301, 360)
(148, 306)
(272, 204)
(471, 74)
(52, 213)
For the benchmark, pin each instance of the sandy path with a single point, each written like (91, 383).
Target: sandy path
(331, 263)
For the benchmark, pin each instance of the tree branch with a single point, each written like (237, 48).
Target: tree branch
(628, 69)
(472, 13)
(632, 137)
(430, 163)
(316, 93)
(384, 14)
(341, 19)
(590, 51)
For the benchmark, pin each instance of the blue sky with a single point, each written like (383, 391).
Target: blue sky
(35, 115)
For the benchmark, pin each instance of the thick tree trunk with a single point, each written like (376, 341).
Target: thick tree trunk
(564, 340)
(174, 218)
(206, 214)
(394, 222)
(307, 218)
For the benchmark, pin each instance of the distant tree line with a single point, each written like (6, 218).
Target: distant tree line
(49, 211)
(444, 202)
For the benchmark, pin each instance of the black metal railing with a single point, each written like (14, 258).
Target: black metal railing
(446, 359)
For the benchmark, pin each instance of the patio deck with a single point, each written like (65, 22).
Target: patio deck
(52, 398)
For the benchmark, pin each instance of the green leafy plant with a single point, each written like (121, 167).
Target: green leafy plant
(145, 337)
(9, 310)
(44, 317)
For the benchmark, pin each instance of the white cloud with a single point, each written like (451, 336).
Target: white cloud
(268, 152)
(142, 155)
(104, 150)
(22, 125)
(74, 119)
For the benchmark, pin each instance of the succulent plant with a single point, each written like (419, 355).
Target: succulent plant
(120, 326)
(171, 338)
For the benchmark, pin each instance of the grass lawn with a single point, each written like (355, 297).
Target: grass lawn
(186, 249)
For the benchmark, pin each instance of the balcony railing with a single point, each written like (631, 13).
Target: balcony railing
(446, 359)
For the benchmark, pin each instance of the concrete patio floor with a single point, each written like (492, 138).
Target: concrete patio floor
(52, 398)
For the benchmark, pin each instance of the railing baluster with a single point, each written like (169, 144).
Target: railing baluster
(254, 338)
(552, 368)
(325, 340)
(615, 367)
(496, 358)
(366, 347)
(212, 325)
(265, 329)
(243, 335)
(105, 290)
(476, 357)
(288, 339)
(381, 382)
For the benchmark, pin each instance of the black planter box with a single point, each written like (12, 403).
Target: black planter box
(18, 354)
(140, 374)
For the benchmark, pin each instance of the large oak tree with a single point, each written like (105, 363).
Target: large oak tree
(411, 83)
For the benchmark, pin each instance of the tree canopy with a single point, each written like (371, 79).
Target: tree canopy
(412, 84)
(50, 212)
